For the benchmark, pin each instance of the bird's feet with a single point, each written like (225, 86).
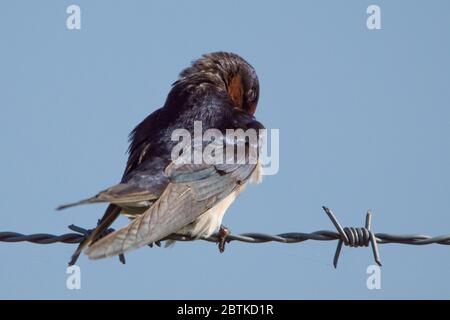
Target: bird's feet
(158, 244)
(223, 233)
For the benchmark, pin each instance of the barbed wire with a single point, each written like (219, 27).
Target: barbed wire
(352, 237)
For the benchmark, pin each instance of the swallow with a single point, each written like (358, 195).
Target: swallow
(163, 197)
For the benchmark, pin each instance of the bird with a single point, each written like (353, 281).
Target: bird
(163, 197)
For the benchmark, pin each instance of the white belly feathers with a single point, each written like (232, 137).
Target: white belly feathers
(211, 220)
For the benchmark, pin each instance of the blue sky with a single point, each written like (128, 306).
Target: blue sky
(364, 119)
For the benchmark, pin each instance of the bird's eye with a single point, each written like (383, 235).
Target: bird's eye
(251, 95)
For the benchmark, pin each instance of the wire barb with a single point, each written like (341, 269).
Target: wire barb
(86, 233)
(353, 237)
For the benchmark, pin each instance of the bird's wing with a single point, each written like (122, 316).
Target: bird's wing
(122, 193)
(130, 192)
(192, 190)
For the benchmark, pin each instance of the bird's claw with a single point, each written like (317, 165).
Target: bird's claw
(157, 243)
(222, 239)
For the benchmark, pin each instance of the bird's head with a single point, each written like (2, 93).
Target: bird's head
(227, 72)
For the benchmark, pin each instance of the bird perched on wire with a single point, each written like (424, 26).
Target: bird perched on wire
(163, 197)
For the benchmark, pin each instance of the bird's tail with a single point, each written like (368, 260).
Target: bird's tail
(119, 194)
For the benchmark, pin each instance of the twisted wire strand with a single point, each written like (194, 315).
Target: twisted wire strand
(322, 235)
(291, 237)
(352, 237)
